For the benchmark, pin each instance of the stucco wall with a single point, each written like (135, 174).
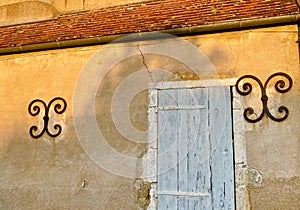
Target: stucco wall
(73, 5)
(49, 172)
(25, 11)
(272, 148)
(77, 5)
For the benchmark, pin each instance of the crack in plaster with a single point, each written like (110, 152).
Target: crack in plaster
(144, 62)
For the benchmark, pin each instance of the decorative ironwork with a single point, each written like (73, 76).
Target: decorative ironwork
(60, 105)
(280, 86)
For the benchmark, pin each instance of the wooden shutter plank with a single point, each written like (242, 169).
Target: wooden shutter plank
(193, 133)
(198, 141)
(182, 150)
(167, 149)
(221, 148)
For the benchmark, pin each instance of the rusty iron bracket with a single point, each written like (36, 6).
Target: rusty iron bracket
(280, 87)
(59, 108)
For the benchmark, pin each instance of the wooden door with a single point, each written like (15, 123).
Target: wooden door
(195, 151)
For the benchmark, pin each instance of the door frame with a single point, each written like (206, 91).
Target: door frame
(239, 144)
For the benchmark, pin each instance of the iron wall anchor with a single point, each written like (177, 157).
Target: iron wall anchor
(60, 105)
(280, 87)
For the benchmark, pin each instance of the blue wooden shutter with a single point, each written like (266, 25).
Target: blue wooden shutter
(195, 153)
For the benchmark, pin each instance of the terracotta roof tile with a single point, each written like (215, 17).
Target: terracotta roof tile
(142, 17)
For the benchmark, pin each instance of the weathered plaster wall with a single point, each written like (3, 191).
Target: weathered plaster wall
(272, 148)
(25, 11)
(48, 172)
(74, 5)
(77, 5)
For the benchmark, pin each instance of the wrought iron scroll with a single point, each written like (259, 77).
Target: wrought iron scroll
(280, 86)
(59, 107)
